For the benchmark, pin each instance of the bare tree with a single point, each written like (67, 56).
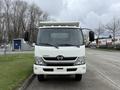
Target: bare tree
(7, 11)
(1, 21)
(44, 16)
(16, 16)
(35, 18)
(100, 30)
(113, 27)
(6, 22)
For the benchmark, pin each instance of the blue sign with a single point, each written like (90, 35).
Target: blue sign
(17, 44)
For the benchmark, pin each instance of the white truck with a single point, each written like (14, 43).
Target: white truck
(60, 50)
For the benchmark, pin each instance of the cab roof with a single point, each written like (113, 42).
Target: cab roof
(48, 27)
(55, 24)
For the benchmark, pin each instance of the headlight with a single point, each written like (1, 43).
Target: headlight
(80, 61)
(39, 60)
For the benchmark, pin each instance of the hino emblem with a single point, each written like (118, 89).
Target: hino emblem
(59, 57)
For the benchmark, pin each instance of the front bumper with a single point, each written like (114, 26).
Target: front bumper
(59, 70)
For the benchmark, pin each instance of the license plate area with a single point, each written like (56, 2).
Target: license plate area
(60, 69)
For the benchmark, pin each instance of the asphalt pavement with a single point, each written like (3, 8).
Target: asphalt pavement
(103, 73)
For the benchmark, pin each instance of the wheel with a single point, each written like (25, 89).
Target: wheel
(78, 77)
(40, 77)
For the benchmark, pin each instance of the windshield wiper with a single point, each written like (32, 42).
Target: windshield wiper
(68, 45)
(48, 44)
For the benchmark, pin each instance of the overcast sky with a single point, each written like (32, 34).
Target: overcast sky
(88, 12)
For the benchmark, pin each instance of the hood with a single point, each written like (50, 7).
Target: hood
(48, 51)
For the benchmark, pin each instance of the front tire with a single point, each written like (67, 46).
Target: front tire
(78, 77)
(41, 77)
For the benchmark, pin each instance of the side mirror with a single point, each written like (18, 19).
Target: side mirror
(26, 36)
(91, 36)
(110, 36)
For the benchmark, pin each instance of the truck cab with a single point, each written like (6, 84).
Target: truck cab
(59, 50)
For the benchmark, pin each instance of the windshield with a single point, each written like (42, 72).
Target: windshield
(60, 37)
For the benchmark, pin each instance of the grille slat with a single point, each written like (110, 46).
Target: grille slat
(60, 64)
(55, 58)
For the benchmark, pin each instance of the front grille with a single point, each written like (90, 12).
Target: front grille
(55, 58)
